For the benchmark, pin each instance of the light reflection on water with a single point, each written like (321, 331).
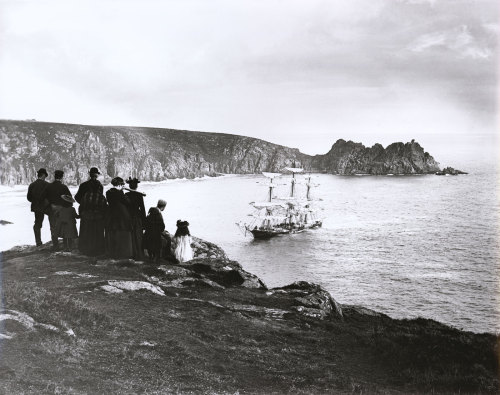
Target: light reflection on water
(406, 246)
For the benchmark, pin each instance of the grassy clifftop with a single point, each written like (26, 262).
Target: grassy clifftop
(70, 324)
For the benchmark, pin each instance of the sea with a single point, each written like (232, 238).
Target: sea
(407, 246)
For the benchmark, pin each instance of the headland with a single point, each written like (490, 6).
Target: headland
(74, 324)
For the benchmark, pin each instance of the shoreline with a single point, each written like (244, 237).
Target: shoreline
(228, 175)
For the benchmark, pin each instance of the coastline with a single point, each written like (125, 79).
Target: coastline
(210, 326)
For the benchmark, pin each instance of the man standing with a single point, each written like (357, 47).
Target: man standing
(154, 228)
(37, 195)
(54, 192)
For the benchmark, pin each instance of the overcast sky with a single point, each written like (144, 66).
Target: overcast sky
(299, 73)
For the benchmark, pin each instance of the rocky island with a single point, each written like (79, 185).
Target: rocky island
(154, 154)
(73, 324)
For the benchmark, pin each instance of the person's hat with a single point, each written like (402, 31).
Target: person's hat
(67, 198)
(117, 181)
(132, 181)
(58, 174)
(42, 171)
(94, 170)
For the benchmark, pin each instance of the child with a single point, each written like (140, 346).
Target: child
(182, 242)
(67, 222)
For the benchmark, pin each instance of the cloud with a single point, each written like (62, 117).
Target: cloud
(458, 40)
(270, 69)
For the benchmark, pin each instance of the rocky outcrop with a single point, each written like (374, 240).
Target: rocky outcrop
(349, 158)
(153, 154)
(311, 300)
(450, 171)
(74, 324)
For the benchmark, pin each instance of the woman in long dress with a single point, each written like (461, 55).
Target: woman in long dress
(138, 217)
(119, 227)
(182, 242)
(93, 209)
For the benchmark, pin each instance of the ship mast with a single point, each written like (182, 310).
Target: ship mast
(308, 184)
(271, 187)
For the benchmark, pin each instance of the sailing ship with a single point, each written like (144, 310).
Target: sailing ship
(282, 215)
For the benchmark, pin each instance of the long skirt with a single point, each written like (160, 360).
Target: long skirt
(183, 251)
(91, 241)
(137, 249)
(119, 243)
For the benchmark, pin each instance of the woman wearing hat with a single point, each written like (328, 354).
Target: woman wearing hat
(92, 184)
(138, 217)
(119, 224)
(93, 208)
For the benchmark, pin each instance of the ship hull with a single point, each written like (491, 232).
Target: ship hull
(270, 233)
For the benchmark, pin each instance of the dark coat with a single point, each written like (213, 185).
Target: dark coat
(182, 229)
(37, 195)
(119, 210)
(154, 228)
(137, 209)
(87, 186)
(54, 191)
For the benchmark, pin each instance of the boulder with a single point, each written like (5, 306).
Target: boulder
(312, 300)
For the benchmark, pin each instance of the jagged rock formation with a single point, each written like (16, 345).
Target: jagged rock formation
(153, 154)
(451, 171)
(348, 158)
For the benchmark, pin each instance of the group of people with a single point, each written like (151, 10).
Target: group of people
(115, 223)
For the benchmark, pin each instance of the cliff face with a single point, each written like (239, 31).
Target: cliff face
(147, 153)
(348, 158)
(157, 154)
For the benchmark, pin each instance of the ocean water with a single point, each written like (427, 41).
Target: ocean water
(407, 246)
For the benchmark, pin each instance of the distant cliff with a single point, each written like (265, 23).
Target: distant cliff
(348, 158)
(154, 154)
(147, 153)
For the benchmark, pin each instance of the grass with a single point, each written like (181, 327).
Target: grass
(204, 340)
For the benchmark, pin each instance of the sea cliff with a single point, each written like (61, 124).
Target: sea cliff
(72, 324)
(154, 154)
(349, 158)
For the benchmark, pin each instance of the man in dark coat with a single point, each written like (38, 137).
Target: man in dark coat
(93, 184)
(37, 195)
(154, 228)
(54, 192)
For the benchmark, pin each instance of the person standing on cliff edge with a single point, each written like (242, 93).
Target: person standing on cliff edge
(93, 184)
(138, 216)
(54, 192)
(155, 226)
(93, 210)
(37, 195)
(119, 221)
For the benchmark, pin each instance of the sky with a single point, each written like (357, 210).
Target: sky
(297, 73)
